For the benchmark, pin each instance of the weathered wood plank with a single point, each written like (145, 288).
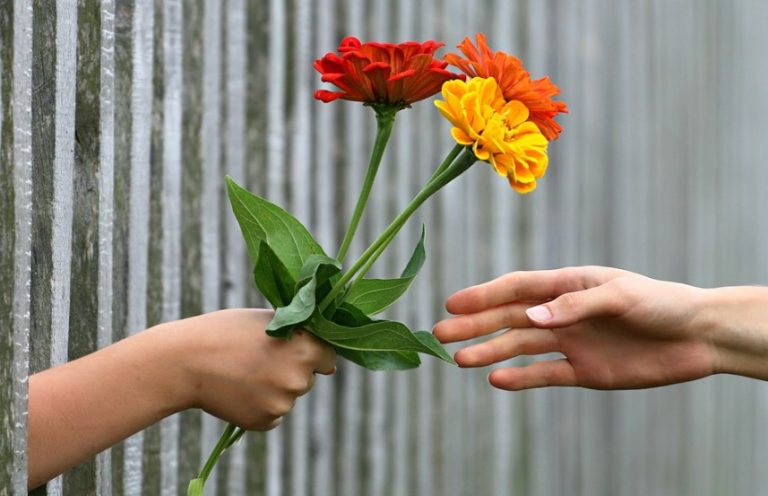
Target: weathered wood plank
(210, 190)
(139, 218)
(8, 385)
(172, 25)
(256, 173)
(123, 122)
(151, 448)
(22, 207)
(236, 266)
(44, 68)
(302, 163)
(106, 209)
(7, 249)
(350, 376)
(276, 188)
(322, 442)
(83, 303)
(191, 263)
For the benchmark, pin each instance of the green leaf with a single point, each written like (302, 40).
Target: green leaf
(373, 296)
(382, 360)
(418, 257)
(328, 272)
(431, 342)
(316, 271)
(264, 222)
(272, 278)
(297, 311)
(350, 316)
(377, 336)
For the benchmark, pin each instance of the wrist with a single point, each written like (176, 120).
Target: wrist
(735, 322)
(170, 363)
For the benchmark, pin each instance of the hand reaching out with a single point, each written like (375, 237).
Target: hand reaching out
(616, 329)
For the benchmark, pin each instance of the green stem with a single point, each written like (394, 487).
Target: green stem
(377, 247)
(365, 268)
(449, 159)
(225, 441)
(447, 162)
(385, 120)
(236, 435)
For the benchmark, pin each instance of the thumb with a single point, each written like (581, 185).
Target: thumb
(571, 308)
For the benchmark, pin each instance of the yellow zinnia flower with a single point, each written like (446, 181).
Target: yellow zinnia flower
(498, 131)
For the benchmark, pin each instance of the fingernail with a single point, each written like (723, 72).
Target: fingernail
(539, 314)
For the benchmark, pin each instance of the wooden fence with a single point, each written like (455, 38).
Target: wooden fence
(119, 120)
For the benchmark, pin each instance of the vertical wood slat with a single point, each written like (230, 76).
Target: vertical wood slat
(322, 443)
(211, 179)
(451, 200)
(141, 110)
(255, 174)
(190, 450)
(350, 458)
(22, 207)
(419, 312)
(302, 162)
(151, 446)
(106, 209)
(172, 19)
(276, 190)
(379, 212)
(83, 303)
(122, 71)
(8, 379)
(55, 40)
(505, 259)
(628, 146)
(236, 265)
(402, 148)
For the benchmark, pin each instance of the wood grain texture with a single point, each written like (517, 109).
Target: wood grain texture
(118, 120)
(8, 387)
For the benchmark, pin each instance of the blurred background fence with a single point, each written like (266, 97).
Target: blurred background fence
(119, 120)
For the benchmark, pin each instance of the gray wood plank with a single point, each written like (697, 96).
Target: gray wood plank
(276, 190)
(22, 191)
(138, 244)
(257, 50)
(172, 49)
(106, 210)
(236, 268)
(123, 122)
(190, 450)
(8, 385)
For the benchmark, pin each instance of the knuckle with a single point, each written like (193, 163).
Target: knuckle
(279, 407)
(569, 302)
(298, 385)
(622, 291)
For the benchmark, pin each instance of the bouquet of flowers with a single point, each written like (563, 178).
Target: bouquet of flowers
(499, 115)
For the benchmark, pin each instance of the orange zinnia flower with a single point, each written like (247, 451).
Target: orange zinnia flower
(514, 80)
(386, 74)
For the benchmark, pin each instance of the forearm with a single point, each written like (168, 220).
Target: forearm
(736, 322)
(79, 409)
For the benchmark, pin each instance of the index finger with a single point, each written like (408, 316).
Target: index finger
(527, 286)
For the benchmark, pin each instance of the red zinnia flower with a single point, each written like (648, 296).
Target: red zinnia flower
(514, 80)
(383, 73)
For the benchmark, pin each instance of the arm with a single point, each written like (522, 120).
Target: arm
(222, 362)
(616, 329)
